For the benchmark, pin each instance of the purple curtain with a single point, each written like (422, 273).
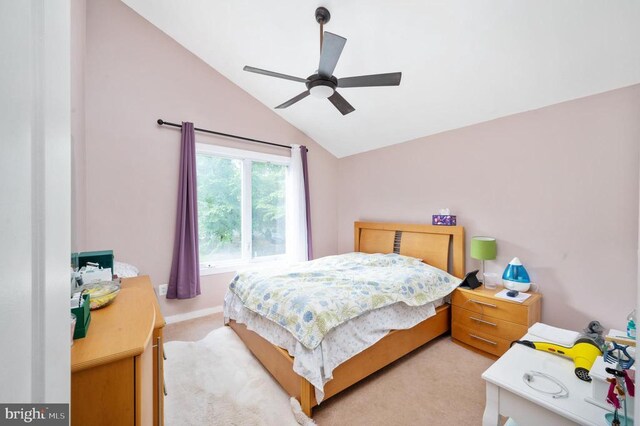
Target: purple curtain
(305, 173)
(184, 281)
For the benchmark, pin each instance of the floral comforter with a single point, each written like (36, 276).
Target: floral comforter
(311, 298)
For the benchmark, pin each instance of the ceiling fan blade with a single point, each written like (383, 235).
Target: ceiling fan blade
(274, 74)
(332, 46)
(294, 100)
(390, 79)
(341, 103)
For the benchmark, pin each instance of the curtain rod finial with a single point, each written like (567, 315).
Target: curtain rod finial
(160, 121)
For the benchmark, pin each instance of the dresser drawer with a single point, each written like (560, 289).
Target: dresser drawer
(496, 327)
(478, 339)
(490, 306)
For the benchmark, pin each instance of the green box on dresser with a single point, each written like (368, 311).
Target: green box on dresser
(83, 317)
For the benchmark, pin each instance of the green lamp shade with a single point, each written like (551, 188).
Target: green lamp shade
(483, 248)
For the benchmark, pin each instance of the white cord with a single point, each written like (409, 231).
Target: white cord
(527, 378)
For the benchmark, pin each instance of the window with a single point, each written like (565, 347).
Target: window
(241, 206)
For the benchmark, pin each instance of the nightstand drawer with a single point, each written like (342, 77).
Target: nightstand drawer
(493, 326)
(478, 339)
(496, 308)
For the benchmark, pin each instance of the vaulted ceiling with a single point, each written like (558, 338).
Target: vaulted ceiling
(462, 62)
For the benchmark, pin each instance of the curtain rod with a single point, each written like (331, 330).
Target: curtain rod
(162, 122)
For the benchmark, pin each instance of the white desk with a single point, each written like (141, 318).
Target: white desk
(508, 395)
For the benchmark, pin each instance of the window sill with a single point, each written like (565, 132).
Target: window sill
(214, 270)
(217, 270)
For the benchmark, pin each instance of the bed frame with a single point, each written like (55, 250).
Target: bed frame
(439, 246)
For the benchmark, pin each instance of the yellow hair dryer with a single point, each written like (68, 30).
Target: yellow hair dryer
(583, 353)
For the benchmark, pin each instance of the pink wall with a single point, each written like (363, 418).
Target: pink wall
(136, 74)
(557, 187)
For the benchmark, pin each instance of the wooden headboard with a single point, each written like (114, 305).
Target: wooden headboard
(432, 244)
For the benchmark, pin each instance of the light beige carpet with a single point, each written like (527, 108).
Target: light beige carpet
(439, 384)
(193, 330)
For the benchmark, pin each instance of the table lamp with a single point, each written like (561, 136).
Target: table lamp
(483, 248)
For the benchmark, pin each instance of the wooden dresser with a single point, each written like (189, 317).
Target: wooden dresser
(144, 283)
(483, 322)
(116, 371)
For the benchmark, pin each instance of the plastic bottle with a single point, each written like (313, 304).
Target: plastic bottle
(631, 324)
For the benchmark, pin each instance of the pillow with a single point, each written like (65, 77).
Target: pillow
(382, 259)
(124, 270)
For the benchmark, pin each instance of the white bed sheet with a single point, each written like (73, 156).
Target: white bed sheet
(340, 344)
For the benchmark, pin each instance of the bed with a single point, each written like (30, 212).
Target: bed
(438, 246)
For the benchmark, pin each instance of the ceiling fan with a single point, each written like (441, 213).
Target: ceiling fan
(323, 83)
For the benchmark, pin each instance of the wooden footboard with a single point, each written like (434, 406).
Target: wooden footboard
(390, 348)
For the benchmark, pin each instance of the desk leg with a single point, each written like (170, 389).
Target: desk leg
(491, 415)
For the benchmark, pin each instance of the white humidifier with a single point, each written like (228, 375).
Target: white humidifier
(515, 276)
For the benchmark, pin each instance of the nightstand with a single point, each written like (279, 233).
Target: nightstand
(481, 321)
(508, 395)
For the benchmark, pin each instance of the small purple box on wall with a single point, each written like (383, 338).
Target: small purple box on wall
(443, 219)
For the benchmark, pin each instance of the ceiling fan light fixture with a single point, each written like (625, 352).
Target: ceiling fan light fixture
(321, 91)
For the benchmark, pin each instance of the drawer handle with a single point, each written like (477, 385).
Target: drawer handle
(483, 303)
(482, 339)
(484, 322)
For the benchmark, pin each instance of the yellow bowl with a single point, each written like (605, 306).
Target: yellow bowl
(102, 294)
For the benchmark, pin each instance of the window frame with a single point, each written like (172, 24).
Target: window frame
(247, 157)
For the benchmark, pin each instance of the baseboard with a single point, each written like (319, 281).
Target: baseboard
(192, 315)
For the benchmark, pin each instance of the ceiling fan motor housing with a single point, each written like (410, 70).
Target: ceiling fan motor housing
(321, 87)
(322, 15)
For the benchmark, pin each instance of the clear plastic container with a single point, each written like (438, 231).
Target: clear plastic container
(102, 294)
(491, 280)
(73, 326)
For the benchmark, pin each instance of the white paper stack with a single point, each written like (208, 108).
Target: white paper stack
(521, 297)
(95, 275)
